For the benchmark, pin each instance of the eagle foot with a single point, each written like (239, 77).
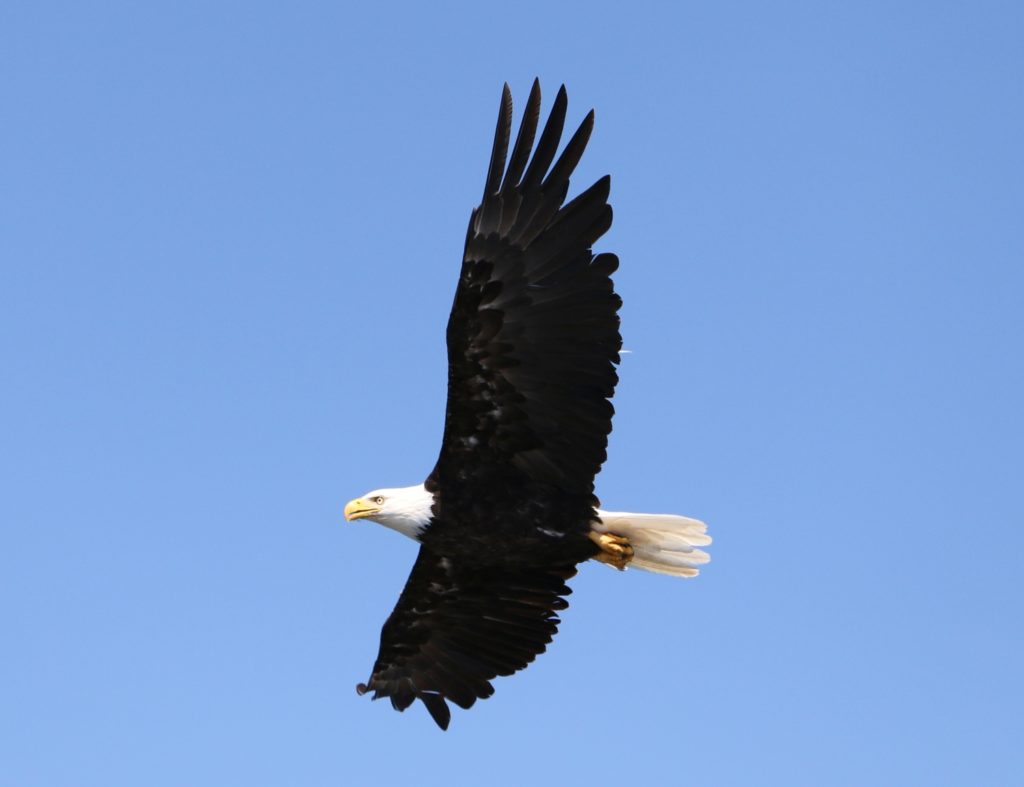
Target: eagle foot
(615, 550)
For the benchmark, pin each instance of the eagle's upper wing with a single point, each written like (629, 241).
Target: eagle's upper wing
(533, 336)
(456, 626)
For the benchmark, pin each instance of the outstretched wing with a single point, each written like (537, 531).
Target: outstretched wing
(533, 336)
(456, 627)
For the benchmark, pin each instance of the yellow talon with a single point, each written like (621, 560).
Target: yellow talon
(615, 550)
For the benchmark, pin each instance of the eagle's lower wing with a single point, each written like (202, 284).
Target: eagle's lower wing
(533, 336)
(456, 627)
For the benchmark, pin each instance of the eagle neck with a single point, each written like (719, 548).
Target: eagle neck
(409, 511)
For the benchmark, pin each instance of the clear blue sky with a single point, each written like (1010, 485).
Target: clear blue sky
(229, 235)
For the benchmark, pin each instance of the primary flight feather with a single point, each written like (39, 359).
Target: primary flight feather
(509, 509)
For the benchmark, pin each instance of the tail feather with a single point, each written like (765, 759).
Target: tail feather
(662, 543)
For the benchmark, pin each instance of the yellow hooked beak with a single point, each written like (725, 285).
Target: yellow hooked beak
(359, 508)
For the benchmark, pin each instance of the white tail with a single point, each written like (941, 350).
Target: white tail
(662, 543)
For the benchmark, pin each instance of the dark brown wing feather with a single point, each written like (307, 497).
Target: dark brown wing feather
(533, 336)
(456, 627)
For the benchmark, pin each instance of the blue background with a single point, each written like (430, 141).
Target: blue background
(230, 233)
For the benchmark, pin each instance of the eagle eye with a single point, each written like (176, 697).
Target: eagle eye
(378, 500)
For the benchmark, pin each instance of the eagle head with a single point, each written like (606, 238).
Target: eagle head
(405, 509)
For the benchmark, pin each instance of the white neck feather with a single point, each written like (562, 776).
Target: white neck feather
(406, 509)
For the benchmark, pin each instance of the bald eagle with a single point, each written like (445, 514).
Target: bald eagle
(509, 511)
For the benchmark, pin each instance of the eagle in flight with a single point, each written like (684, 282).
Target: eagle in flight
(509, 511)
